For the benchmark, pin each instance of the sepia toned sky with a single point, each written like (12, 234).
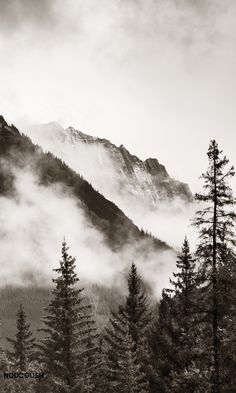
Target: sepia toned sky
(158, 76)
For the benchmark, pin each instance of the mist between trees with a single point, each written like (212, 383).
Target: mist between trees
(184, 344)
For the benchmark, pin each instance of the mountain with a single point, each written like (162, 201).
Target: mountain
(114, 171)
(17, 150)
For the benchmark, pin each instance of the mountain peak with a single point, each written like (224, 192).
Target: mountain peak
(155, 168)
(3, 122)
(73, 136)
(146, 182)
(6, 129)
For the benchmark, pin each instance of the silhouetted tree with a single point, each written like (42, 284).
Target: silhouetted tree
(69, 327)
(163, 344)
(216, 241)
(135, 318)
(184, 282)
(23, 344)
(174, 334)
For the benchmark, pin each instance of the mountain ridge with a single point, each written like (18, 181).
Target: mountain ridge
(117, 228)
(151, 162)
(146, 182)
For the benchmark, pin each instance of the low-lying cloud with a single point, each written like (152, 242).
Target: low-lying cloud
(155, 75)
(33, 224)
(168, 220)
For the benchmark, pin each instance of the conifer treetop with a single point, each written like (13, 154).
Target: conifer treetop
(185, 278)
(218, 205)
(24, 343)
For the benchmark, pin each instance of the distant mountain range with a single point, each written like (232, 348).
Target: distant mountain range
(113, 171)
(118, 230)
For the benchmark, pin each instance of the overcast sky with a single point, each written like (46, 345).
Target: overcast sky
(158, 76)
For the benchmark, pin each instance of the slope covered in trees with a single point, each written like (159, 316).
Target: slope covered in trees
(19, 151)
(193, 339)
(184, 345)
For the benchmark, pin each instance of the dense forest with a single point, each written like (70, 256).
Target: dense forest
(184, 344)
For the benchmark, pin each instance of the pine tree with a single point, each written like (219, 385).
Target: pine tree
(216, 242)
(21, 358)
(227, 311)
(133, 317)
(184, 298)
(163, 343)
(94, 366)
(130, 377)
(185, 279)
(136, 309)
(174, 335)
(68, 328)
(124, 369)
(23, 344)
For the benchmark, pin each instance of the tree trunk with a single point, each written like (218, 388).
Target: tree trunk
(216, 379)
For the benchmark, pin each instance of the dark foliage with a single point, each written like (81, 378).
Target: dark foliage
(217, 259)
(23, 344)
(68, 352)
(126, 337)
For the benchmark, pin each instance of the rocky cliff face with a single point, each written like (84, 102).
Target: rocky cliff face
(113, 170)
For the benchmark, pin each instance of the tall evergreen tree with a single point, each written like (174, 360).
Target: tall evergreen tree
(163, 343)
(69, 327)
(130, 377)
(185, 279)
(173, 337)
(216, 243)
(129, 325)
(94, 366)
(23, 344)
(136, 309)
(124, 369)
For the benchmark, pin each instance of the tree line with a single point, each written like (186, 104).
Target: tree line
(186, 344)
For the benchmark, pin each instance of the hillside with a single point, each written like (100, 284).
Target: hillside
(18, 150)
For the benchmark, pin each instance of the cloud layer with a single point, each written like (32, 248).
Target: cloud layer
(155, 75)
(169, 221)
(33, 225)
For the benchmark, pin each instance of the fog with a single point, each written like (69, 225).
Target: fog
(33, 224)
(169, 220)
(155, 75)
